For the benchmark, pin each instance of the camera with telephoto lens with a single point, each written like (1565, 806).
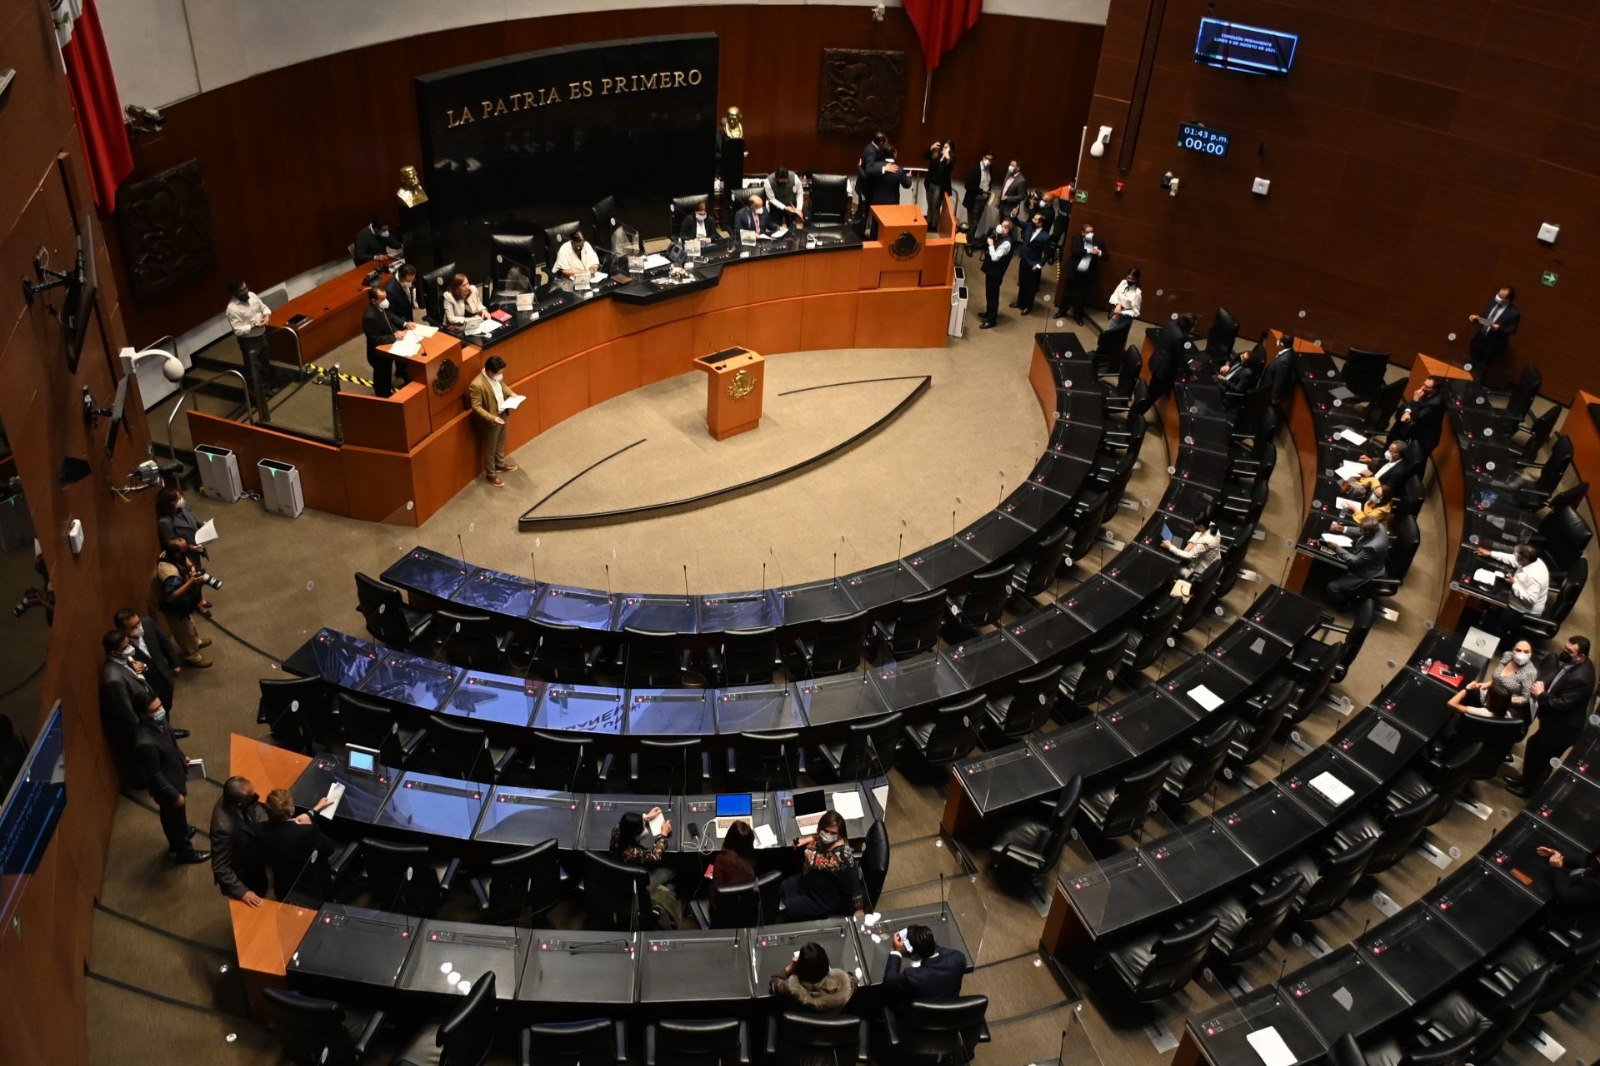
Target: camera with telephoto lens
(209, 580)
(30, 599)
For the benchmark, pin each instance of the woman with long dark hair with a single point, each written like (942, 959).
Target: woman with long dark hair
(829, 881)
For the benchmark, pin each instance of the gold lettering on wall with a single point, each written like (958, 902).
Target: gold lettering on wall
(527, 100)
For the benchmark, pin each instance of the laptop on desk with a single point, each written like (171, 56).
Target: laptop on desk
(733, 808)
(809, 807)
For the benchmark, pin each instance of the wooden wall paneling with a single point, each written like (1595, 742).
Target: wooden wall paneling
(391, 425)
(613, 369)
(903, 318)
(829, 273)
(829, 322)
(775, 279)
(321, 473)
(720, 329)
(378, 485)
(305, 197)
(447, 460)
(774, 327)
(563, 390)
(666, 351)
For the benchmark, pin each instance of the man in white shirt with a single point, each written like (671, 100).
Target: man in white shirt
(248, 316)
(1530, 577)
(577, 258)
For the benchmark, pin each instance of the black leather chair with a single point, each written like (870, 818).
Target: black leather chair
(912, 629)
(1568, 967)
(1365, 372)
(465, 1038)
(1454, 1016)
(554, 238)
(651, 659)
(590, 1042)
(1536, 434)
(1191, 772)
(1355, 636)
(1562, 537)
(696, 1042)
(452, 749)
(1395, 830)
(605, 221)
(1030, 848)
(682, 208)
(1519, 401)
(470, 639)
(1545, 626)
(1326, 885)
(522, 886)
(1446, 776)
(766, 760)
(746, 905)
(983, 603)
(1202, 596)
(1156, 966)
(565, 654)
(1223, 334)
(567, 761)
(1244, 929)
(1034, 572)
(868, 749)
(830, 200)
(406, 878)
(1090, 680)
(745, 657)
(616, 892)
(1379, 412)
(1497, 736)
(1122, 808)
(1346, 1052)
(837, 647)
(1532, 495)
(1026, 708)
(674, 764)
(512, 262)
(948, 1031)
(874, 865)
(373, 725)
(1409, 500)
(950, 735)
(1258, 727)
(795, 1039)
(1148, 638)
(1114, 340)
(319, 1032)
(297, 711)
(388, 617)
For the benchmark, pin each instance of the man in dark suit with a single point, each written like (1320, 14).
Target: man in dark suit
(237, 863)
(975, 194)
(1035, 254)
(885, 179)
(124, 694)
(1280, 373)
(153, 649)
(1013, 191)
(1576, 892)
(164, 772)
(1388, 467)
(1495, 325)
(754, 216)
(404, 296)
(1364, 560)
(933, 974)
(997, 251)
(941, 171)
(296, 849)
(1561, 697)
(382, 326)
(1168, 354)
(1082, 262)
(1239, 376)
(1421, 420)
(697, 225)
(373, 240)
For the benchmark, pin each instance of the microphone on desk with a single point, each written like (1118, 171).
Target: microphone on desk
(686, 579)
(462, 548)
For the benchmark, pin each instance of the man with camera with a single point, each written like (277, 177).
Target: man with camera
(175, 592)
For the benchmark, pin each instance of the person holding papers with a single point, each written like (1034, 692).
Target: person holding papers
(1377, 506)
(1082, 262)
(1530, 577)
(1505, 694)
(1366, 559)
(382, 326)
(754, 217)
(933, 973)
(1388, 468)
(490, 398)
(698, 226)
(1202, 548)
(787, 196)
(296, 849)
(577, 259)
(463, 307)
(629, 845)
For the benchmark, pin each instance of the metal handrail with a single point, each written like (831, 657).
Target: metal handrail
(249, 408)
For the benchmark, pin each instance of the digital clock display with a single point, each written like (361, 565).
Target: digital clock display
(1197, 138)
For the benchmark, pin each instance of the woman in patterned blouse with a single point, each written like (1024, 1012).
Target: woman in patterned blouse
(829, 882)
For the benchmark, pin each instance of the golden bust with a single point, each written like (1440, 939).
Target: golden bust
(733, 124)
(411, 193)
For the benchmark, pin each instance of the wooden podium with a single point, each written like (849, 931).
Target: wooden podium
(734, 380)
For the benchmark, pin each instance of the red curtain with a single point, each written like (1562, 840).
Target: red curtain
(940, 24)
(94, 97)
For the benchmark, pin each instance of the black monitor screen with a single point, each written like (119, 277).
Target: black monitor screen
(28, 818)
(1250, 49)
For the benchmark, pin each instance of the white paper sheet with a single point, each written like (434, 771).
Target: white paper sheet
(765, 837)
(1270, 1047)
(484, 328)
(1338, 540)
(655, 824)
(1350, 468)
(1352, 436)
(1331, 788)
(1347, 505)
(848, 804)
(335, 793)
(1484, 576)
(1205, 697)
(207, 533)
(406, 346)
(511, 403)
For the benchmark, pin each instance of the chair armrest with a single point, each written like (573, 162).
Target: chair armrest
(1026, 856)
(340, 861)
(606, 765)
(733, 762)
(700, 912)
(744, 1043)
(505, 640)
(633, 767)
(891, 1028)
(705, 766)
(368, 1031)
(650, 1044)
(505, 760)
(527, 1048)
(479, 893)
(864, 1055)
(620, 1031)
(409, 746)
(592, 660)
(983, 1032)
(800, 758)
(772, 1035)
(450, 872)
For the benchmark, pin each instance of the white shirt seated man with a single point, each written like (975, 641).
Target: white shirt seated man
(577, 258)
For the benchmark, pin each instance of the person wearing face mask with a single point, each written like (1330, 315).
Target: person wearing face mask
(463, 307)
(698, 225)
(941, 157)
(1388, 468)
(163, 771)
(124, 693)
(1035, 248)
(375, 239)
(1495, 324)
(1377, 506)
(976, 193)
(248, 317)
(1561, 698)
(1421, 420)
(1083, 260)
(1239, 376)
(1127, 300)
(382, 326)
(153, 650)
(488, 394)
(175, 592)
(1505, 694)
(576, 258)
(829, 882)
(1366, 559)
(237, 864)
(1013, 191)
(1530, 582)
(998, 248)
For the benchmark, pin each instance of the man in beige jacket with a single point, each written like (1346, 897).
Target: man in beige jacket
(488, 394)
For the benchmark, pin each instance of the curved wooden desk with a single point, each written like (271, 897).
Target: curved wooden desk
(405, 456)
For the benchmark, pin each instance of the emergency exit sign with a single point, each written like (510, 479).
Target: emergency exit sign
(1549, 278)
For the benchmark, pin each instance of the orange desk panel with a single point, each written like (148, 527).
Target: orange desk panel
(335, 308)
(1450, 477)
(268, 767)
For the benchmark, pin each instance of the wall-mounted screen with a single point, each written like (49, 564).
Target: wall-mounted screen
(1197, 138)
(1251, 49)
(32, 808)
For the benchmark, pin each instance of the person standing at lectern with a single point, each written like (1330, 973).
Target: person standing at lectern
(997, 251)
(374, 239)
(248, 316)
(787, 197)
(1496, 323)
(382, 326)
(698, 226)
(488, 394)
(754, 217)
(577, 258)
